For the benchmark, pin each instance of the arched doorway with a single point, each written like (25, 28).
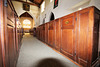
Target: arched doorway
(52, 17)
(27, 22)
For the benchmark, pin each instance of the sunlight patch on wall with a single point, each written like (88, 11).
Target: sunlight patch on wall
(51, 0)
(43, 7)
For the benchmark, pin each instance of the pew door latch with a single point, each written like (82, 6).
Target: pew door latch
(66, 22)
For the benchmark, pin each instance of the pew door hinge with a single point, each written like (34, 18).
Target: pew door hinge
(75, 53)
(76, 19)
(5, 3)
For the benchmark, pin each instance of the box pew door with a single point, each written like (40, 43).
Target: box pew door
(46, 33)
(68, 35)
(1, 60)
(57, 34)
(40, 33)
(51, 34)
(84, 37)
(11, 46)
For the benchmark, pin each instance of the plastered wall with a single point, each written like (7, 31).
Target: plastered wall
(65, 7)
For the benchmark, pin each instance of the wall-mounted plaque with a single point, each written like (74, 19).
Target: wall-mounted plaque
(26, 7)
(55, 3)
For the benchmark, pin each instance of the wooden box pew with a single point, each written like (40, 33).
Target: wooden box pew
(76, 35)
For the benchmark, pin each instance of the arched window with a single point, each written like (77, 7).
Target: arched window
(26, 24)
(43, 6)
(52, 17)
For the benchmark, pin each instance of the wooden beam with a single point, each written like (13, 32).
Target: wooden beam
(27, 3)
(41, 2)
(34, 2)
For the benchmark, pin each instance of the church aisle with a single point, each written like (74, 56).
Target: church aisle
(34, 53)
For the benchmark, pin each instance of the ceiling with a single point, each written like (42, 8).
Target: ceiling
(34, 10)
(31, 2)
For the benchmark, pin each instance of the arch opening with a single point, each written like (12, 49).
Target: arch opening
(27, 22)
(52, 17)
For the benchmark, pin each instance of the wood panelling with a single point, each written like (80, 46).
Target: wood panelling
(11, 46)
(83, 31)
(5, 36)
(38, 1)
(67, 35)
(51, 34)
(10, 12)
(16, 34)
(1, 60)
(57, 34)
(46, 32)
(9, 42)
(96, 36)
(75, 35)
(43, 31)
(1, 37)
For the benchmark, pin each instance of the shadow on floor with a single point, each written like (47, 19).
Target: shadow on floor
(50, 62)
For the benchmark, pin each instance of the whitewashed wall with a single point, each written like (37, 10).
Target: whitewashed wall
(65, 7)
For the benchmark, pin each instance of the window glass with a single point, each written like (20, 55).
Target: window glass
(43, 6)
(26, 24)
(51, 0)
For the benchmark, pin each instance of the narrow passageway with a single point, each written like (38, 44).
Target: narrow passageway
(34, 53)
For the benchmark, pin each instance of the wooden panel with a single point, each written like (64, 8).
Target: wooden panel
(95, 37)
(68, 36)
(1, 60)
(42, 38)
(38, 1)
(57, 34)
(43, 33)
(37, 32)
(10, 13)
(16, 34)
(51, 34)
(40, 32)
(46, 33)
(5, 37)
(8, 51)
(2, 55)
(11, 46)
(83, 28)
